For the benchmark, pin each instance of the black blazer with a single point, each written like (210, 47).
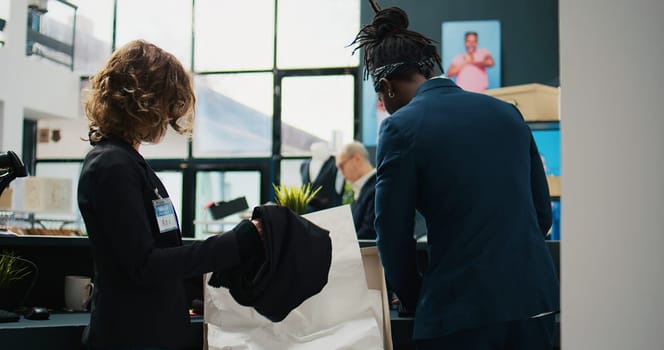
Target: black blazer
(364, 212)
(328, 196)
(139, 297)
(298, 255)
(469, 164)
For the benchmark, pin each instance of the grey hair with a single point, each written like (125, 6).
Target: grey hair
(355, 147)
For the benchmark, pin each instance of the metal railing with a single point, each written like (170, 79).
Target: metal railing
(42, 42)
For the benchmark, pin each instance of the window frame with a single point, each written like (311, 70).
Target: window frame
(268, 167)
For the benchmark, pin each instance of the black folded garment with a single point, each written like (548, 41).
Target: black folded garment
(298, 255)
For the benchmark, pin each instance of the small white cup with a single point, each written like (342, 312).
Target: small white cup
(78, 291)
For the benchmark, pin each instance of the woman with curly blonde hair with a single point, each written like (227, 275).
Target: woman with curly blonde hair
(139, 300)
(138, 93)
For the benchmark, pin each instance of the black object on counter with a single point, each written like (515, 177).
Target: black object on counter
(222, 209)
(6, 316)
(37, 313)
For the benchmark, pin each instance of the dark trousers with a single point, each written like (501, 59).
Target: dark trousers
(530, 334)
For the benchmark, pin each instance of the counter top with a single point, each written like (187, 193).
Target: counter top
(64, 331)
(46, 241)
(64, 319)
(55, 241)
(74, 319)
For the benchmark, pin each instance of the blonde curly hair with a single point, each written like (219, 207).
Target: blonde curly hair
(139, 92)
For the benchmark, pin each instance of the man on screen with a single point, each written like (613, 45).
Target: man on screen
(469, 68)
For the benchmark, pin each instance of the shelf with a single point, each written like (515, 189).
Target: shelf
(58, 241)
(216, 222)
(544, 125)
(220, 222)
(49, 241)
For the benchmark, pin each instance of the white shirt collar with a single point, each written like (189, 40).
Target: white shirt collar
(359, 183)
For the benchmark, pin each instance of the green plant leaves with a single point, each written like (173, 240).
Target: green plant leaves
(295, 198)
(11, 269)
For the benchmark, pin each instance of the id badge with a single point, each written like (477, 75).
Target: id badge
(163, 209)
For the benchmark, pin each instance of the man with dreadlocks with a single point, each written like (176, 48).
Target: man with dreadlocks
(469, 164)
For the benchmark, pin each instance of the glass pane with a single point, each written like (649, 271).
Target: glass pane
(173, 146)
(233, 115)
(548, 144)
(56, 27)
(315, 109)
(94, 34)
(554, 231)
(373, 114)
(290, 172)
(58, 22)
(165, 23)
(316, 33)
(214, 186)
(172, 180)
(245, 26)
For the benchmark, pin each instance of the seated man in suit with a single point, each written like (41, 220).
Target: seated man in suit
(353, 163)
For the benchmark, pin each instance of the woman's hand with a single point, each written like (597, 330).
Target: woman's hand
(259, 227)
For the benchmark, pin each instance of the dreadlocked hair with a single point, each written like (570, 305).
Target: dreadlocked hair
(387, 41)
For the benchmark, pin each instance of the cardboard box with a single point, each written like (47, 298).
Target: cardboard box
(536, 102)
(554, 185)
(43, 194)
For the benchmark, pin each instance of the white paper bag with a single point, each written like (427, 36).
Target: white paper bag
(344, 315)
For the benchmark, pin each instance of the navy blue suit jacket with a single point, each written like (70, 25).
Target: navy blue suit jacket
(363, 209)
(469, 164)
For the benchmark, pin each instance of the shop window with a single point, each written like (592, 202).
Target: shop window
(290, 172)
(225, 40)
(315, 109)
(165, 23)
(172, 180)
(214, 186)
(233, 115)
(316, 33)
(172, 146)
(94, 34)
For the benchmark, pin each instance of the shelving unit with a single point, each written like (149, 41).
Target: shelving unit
(552, 125)
(554, 181)
(42, 224)
(544, 125)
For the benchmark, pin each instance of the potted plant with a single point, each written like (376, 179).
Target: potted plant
(295, 198)
(13, 271)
